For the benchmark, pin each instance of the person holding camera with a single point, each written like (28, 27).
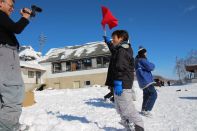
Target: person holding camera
(11, 83)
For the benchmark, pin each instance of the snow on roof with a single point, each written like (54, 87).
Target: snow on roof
(77, 51)
(54, 51)
(106, 49)
(191, 64)
(32, 65)
(27, 52)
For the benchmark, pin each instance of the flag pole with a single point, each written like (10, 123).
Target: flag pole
(105, 32)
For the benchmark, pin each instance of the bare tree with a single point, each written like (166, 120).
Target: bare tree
(180, 68)
(191, 59)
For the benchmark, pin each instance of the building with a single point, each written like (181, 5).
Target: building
(77, 66)
(33, 75)
(192, 69)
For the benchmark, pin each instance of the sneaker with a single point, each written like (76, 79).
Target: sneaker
(147, 113)
(131, 126)
(142, 112)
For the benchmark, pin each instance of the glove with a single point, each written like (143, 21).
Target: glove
(118, 87)
(107, 39)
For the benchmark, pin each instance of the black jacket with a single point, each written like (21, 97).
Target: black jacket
(9, 28)
(121, 65)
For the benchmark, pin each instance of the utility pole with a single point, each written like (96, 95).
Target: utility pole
(42, 41)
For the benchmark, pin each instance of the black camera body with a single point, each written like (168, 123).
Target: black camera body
(34, 9)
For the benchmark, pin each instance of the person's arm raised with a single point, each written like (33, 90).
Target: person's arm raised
(11, 26)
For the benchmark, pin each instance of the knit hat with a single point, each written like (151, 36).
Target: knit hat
(141, 50)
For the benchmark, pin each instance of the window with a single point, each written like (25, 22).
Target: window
(106, 61)
(76, 65)
(68, 66)
(63, 65)
(195, 74)
(38, 77)
(76, 84)
(30, 74)
(99, 62)
(87, 83)
(87, 64)
(56, 67)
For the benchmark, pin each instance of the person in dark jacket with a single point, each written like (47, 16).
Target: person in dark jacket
(146, 82)
(11, 83)
(109, 80)
(121, 78)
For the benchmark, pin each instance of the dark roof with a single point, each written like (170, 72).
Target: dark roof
(89, 50)
(191, 68)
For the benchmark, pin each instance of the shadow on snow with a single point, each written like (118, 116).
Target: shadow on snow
(99, 102)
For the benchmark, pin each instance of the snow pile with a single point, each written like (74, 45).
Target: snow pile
(85, 110)
(27, 53)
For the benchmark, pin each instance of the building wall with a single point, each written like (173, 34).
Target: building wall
(24, 72)
(30, 83)
(75, 81)
(74, 78)
(48, 67)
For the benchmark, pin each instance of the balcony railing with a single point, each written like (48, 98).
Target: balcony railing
(81, 69)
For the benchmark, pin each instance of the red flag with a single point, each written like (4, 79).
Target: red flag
(108, 18)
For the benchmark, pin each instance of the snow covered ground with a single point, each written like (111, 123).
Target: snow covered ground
(85, 110)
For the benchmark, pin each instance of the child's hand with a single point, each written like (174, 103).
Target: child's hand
(107, 39)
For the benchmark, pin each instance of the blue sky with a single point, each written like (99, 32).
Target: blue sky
(167, 28)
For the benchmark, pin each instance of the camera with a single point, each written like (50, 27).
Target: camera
(34, 9)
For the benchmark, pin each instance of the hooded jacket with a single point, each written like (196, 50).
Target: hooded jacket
(143, 70)
(121, 65)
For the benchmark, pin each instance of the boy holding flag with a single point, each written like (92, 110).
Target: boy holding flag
(122, 77)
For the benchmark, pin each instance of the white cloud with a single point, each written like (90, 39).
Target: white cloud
(190, 8)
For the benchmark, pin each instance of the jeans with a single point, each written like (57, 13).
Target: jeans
(149, 98)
